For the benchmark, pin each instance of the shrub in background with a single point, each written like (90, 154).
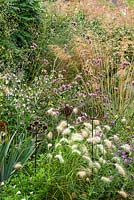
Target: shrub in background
(21, 29)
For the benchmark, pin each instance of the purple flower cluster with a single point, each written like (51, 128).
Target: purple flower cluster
(96, 61)
(128, 157)
(64, 87)
(125, 64)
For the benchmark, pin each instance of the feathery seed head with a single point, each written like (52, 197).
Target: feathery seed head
(105, 179)
(17, 166)
(120, 170)
(123, 194)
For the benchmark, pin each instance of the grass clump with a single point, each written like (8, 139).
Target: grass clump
(70, 170)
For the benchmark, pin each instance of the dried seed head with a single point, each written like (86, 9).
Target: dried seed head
(76, 137)
(74, 196)
(81, 174)
(120, 169)
(61, 126)
(105, 179)
(50, 135)
(75, 111)
(123, 121)
(123, 194)
(88, 125)
(96, 122)
(108, 143)
(17, 166)
(60, 158)
(76, 151)
(84, 133)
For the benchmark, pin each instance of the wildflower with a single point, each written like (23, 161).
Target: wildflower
(92, 94)
(77, 137)
(105, 179)
(130, 159)
(59, 156)
(19, 192)
(50, 135)
(105, 99)
(80, 119)
(125, 64)
(124, 155)
(17, 166)
(61, 126)
(112, 123)
(76, 151)
(81, 174)
(108, 143)
(120, 169)
(123, 194)
(126, 147)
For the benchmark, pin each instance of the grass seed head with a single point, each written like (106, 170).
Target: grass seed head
(123, 194)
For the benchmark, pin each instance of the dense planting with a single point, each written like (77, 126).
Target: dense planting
(66, 100)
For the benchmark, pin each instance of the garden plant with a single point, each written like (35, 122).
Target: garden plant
(66, 100)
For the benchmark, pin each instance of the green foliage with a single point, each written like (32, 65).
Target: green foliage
(58, 173)
(12, 153)
(36, 108)
(130, 2)
(21, 28)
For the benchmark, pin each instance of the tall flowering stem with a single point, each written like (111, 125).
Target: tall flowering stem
(35, 161)
(92, 142)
